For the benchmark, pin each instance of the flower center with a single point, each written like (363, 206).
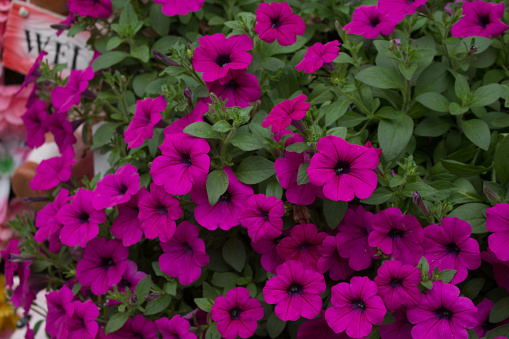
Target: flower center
(123, 284)
(396, 233)
(487, 326)
(231, 85)
(162, 209)
(223, 59)
(106, 263)
(186, 159)
(225, 197)
(122, 189)
(409, 2)
(275, 22)
(358, 305)
(295, 289)
(264, 215)
(84, 217)
(304, 246)
(452, 248)
(342, 167)
(187, 247)
(373, 22)
(235, 313)
(484, 20)
(443, 313)
(395, 282)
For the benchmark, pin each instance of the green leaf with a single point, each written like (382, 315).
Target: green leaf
(408, 73)
(428, 284)
(274, 189)
(478, 132)
(340, 132)
(76, 288)
(116, 322)
(217, 184)
(158, 305)
(204, 303)
(297, 147)
(501, 160)
(432, 79)
(234, 253)
(423, 267)
(432, 127)
(254, 170)
(222, 126)
(246, 141)
(462, 88)
(501, 331)
(224, 279)
(446, 275)
(143, 287)
(486, 95)
(500, 311)
(302, 175)
(159, 21)
(201, 129)
(434, 101)
(272, 64)
(335, 111)
(212, 332)
(424, 190)
(472, 334)
(394, 135)
(473, 287)
(380, 77)
(104, 134)
(141, 53)
(275, 326)
(128, 16)
(457, 109)
(108, 59)
(461, 169)
(379, 196)
(141, 82)
(334, 212)
(474, 214)
(114, 42)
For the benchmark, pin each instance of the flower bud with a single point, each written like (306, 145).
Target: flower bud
(329, 66)
(161, 57)
(188, 94)
(153, 296)
(491, 195)
(19, 258)
(420, 203)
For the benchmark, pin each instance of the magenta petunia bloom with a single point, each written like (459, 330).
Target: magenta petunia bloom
(399, 235)
(127, 226)
(399, 8)
(184, 160)
(177, 7)
(217, 55)
(283, 114)
(343, 169)
(21, 268)
(238, 87)
(500, 268)
(449, 247)
(138, 327)
(46, 221)
(184, 254)
(397, 285)
(262, 217)
(158, 212)
(302, 245)
(270, 260)
(355, 307)
(442, 313)
(317, 55)
(35, 122)
(80, 219)
(400, 329)
(51, 172)
(483, 318)
(277, 21)
(196, 115)
(371, 21)
(497, 221)
(226, 211)
(80, 319)
(331, 261)
(33, 73)
(318, 328)
(91, 8)
(103, 264)
(56, 324)
(69, 95)
(480, 18)
(62, 130)
(146, 116)
(130, 279)
(115, 189)
(237, 313)
(295, 290)
(352, 238)
(176, 328)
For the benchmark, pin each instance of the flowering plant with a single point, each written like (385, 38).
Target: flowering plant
(286, 171)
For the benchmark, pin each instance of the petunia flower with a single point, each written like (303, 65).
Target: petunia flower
(397, 285)
(138, 327)
(115, 189)
(80, 319)
(480, 18)
(21, 268)
(343, 169)
(371, 21)
(103, 264)
(146, 116)
(262, 217)
(35, 123)
(130, 279)
(352, 238)
(176, 328)
(302, 245)
(283, 114)
(277, 21)
(226, 211)
(185, 160)
(62, 130)
(270, 260)
(317, 55)
(51, 172)
(295, 291)
(318, 328)
(237, 313)
(442, 313)
(33, 73)
(64, 97)
(202, 107)
(177, 7)
(355, 307)
(449, 247)
(400, 329)
(127, 226)
(238, 87)
(184, 254)
(400, 8)
(80, 219)
(500, 268)
(217, 55)
(331, 261)
(497, 221)
(56, 324)
(46, 221)
(158, 212)
(91, 8)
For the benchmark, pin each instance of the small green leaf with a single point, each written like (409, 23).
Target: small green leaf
(334, 212)
(234, 253)
(108, 59)
(274, 189)
(272, 64)
(247, 141)
(212, 332)
(204, 303)
(335, 111)
(446, 275)
(141, 53)
(434, 101)
(423, 267)
(474, 214)
(339, 132)
(462, 88)
(217, 184)
(379, 196)
(501, 160)
(456, 109)
(302, 175)
(116, 322)
(408, 73)
(143, 287)
(297, 147)
(478, 132)
(500, 311)
(201, 129)
(486, 95)
(473, 287)
(501, 331)
(255, 169)
(380, 77)
(114, 42)
(104, 134)
(158, 305)
(222, 126)
(394, 136)
(461, 169)
(275, 326)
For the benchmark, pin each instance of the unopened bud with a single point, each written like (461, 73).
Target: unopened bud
(473, 49)
(491, 195)
(338, 26)
(153, 296)
(89, 94)
(18, 258)
(190, 53)
(393, 173)
(161, 57)
(417, 199)
(76, 123)
(422, 9)
(188, 94)
(123, 81)
(298, 125)
(329, 66)
(29, 200)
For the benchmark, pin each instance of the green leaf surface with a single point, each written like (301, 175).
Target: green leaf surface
(302, 175)
(275, 326)
(334, 212)
(254, 170)
(104, 134)
(246, 141)
(501, 160)
(478, 132)
(380, 77)
(201, 129)
(394, 136)
(217, 183)
(474, 214)
(158, 305)
(234, 253)
(108, 59)
(500, 311)
(116, 322)
(434, 101)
